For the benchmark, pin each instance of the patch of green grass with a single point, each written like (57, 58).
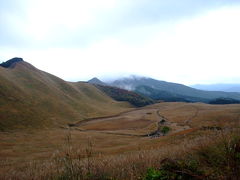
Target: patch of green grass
(165, 129)
(175, 170)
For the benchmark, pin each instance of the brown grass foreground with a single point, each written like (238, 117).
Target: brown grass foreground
(216, 154)
(98, 153)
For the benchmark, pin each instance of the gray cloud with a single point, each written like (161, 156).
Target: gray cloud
(137, 14)
(11, 11)
(129, 14)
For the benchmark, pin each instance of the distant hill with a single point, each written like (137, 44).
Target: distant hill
(224, 101)
(31, 98)
(218, 87)
(125, 95)
(96, 81)
(166, 90)
(166, 95)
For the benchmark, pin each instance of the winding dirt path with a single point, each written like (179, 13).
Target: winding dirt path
(133, 114)
(193, 116)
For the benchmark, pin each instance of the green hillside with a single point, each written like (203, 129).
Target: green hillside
(172, 89)
(124, 95)
(166, 95)
(33, 98)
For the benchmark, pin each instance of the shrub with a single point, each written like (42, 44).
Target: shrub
(165, 129)
(220, 160)
(152, 174)
(175, 170)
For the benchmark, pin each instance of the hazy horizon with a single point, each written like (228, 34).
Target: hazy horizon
(184, 42)
(110, 79)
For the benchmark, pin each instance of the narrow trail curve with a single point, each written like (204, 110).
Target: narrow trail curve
(193, 116)
(99, 118)
(154, 134)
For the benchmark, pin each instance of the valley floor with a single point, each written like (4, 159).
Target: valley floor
(131, 132)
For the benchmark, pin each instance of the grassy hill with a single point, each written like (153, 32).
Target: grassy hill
(33, 98)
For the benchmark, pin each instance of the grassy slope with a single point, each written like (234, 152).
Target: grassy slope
(33, 98)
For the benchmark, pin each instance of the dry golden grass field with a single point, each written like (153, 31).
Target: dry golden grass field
(121, 137)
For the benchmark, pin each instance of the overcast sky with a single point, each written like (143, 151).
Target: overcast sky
(184, 41)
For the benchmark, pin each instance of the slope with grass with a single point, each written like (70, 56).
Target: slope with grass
(33, 98)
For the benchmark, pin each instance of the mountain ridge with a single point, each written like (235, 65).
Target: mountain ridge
(97, 81)
(172, 88)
